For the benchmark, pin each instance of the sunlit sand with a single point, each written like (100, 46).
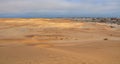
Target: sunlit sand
(58, 41)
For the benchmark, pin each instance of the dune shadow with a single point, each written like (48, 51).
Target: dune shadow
(39, 45)
(2, 46)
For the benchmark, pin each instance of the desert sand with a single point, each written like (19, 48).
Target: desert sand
(58, 41)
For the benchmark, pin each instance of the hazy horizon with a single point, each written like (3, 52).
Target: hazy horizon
(59, 8)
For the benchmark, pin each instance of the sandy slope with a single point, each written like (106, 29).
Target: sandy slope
(58, 41)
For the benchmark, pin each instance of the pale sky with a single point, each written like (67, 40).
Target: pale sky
(59, 8)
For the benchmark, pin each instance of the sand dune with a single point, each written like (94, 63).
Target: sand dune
(58, 41)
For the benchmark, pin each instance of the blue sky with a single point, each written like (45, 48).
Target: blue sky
(59, 8)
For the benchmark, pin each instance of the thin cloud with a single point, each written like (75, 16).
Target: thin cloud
(59, 6)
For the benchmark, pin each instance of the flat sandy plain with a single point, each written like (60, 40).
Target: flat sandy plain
(58, 41)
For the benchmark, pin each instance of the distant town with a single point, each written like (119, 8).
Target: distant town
(105, 20)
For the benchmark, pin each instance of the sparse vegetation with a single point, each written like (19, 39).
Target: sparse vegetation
(112, 27)
(105, 38)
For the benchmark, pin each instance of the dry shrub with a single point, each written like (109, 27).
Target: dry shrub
(105, 38)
